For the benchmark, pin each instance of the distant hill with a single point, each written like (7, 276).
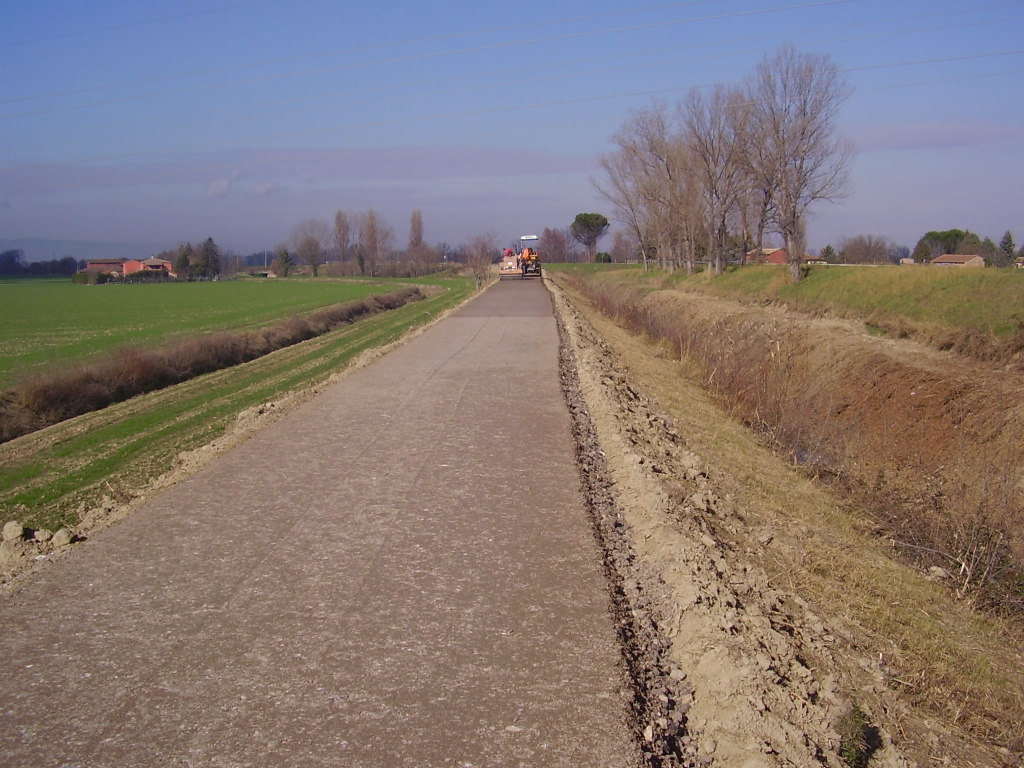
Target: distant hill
(43, 249)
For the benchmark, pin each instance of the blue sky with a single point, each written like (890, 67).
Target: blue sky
(159, 122)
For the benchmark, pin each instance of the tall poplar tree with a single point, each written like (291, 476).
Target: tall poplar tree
(795, 99)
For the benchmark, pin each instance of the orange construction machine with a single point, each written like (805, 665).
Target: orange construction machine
(525, 263)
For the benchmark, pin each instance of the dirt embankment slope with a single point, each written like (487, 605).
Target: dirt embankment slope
(928, 441)
(803, 642)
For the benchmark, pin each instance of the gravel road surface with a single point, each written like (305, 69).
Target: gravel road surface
(400, 572)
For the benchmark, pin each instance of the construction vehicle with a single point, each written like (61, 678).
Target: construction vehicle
(509, 265)
(529, 258)
(525, 263)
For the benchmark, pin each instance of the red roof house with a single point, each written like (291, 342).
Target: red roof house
(768, 256)
(149, 265)
(109, 266)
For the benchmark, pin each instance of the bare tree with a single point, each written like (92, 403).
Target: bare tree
(867, 249)
(416, 230)
(794, 100)
(375, 239)
(673, 191)
(310, 238)
(342, 235)
(420, 256)
(555, 245)
(653, 188)
(625, 247)
(757, 200)
(714, 130)
(623, 190)
(481, 253)
(747, 218)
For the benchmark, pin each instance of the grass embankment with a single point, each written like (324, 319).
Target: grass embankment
(976, 312)
(49, 477)
(51, 324)
(948, 660)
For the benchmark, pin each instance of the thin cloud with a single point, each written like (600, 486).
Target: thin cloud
(278, 166)
(218, 188)
(264, 188)
(933, 135)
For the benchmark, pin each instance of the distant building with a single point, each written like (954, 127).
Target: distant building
(161, 266)
(768, 256)
(107, 266)
(958, 260)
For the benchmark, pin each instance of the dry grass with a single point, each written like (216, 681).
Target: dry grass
(929, 450)
(950, 660)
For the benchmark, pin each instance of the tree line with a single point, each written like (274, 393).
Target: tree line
(875, 249)
(363, 243)
(202, 262)
(938, 242)
(708, 177)
(356, 243)
(13, 264)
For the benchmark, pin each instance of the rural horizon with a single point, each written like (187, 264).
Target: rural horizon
(487, 119)
(309, 456)
(733, 500)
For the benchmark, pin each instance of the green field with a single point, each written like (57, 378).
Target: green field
(46, 476)
(50, 323)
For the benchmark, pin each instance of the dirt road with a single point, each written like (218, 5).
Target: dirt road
(400, 572)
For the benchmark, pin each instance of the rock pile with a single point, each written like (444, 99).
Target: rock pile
(19, 544)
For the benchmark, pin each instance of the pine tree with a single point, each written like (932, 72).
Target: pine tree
(587, 229)
(1006, 245)
(183, 264)
(283, 262)
(207, 262)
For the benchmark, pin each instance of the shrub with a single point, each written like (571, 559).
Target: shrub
(132, 371)
(55, 398)
(859, 739)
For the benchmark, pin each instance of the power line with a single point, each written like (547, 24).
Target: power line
(131, 24)
(630, 94)
(432, 55)
(535, 105)
(491, 83)
(362, 48)
(308, 154)
(393, 44)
